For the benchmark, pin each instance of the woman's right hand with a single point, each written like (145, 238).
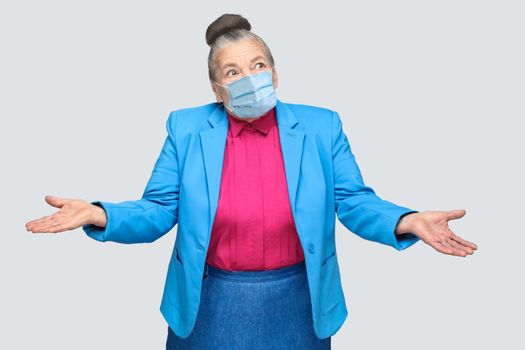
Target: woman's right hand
(73, 214)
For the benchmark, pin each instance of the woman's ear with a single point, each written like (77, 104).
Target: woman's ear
(275, 78)
(215, 90)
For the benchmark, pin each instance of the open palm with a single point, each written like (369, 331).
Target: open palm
(73, 213)
(432, 227)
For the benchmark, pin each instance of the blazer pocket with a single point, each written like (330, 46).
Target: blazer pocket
(177, 256)
(327, 260)
(330, 288)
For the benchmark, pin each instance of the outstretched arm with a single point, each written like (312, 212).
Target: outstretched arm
(363, 212)
(135, 221)
(357, 205)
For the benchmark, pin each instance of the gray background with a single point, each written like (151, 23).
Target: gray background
(431, 94)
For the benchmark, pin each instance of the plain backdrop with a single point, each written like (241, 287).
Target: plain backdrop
(431, 94)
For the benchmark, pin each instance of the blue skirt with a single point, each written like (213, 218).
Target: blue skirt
(254, 310)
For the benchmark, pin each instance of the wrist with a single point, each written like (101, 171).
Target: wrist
(98, 216)
(406, 224)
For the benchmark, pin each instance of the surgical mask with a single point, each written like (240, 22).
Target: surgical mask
(252, 95)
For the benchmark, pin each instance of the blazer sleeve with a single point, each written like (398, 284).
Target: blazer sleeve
(156, 213)
(357, 205)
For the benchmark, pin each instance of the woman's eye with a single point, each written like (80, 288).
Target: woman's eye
(231, 71)
(262, 64)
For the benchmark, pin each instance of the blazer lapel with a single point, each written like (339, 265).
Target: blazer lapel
(291, 140)
(213, 143)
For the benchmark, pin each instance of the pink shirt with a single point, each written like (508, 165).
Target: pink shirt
(253, 228)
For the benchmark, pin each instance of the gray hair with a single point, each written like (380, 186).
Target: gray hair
(229, 37)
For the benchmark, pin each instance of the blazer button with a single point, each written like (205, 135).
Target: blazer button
(311, 248)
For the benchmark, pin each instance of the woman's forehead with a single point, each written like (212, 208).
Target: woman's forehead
(240, 52)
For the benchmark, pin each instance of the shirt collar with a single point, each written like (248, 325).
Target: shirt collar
(264, 123)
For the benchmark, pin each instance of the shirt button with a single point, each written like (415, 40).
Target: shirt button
(311, 248)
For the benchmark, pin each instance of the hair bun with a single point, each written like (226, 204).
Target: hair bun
(224, 24)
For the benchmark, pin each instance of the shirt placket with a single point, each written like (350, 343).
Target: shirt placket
(248, 172)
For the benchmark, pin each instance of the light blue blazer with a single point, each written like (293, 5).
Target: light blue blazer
(323, 181)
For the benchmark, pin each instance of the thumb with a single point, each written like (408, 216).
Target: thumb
(455, 214)
(55, 201)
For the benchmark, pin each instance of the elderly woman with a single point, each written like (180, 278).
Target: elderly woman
(254, 185)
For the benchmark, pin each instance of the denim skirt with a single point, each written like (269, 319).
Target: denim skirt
(268, 309)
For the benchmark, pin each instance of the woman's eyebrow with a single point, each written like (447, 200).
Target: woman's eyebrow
(257, 58)
(229, 65)
(235, 65)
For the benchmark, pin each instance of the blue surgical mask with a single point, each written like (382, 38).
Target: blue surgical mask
(252, 95)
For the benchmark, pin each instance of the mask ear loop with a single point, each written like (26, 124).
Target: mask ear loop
(223, 101)
(220, 85)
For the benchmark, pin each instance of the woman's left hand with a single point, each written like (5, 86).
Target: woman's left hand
(432, 228)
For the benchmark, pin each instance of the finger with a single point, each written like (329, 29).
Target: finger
(447, 248)
(38, 222)
(45, 223)
(55, 201)
(447, 244)
(41, 229)
(43, 218)
(455, 214)
(463, 241)
(441, 248)
(61, 227)
(463, 251)
(32, 223)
